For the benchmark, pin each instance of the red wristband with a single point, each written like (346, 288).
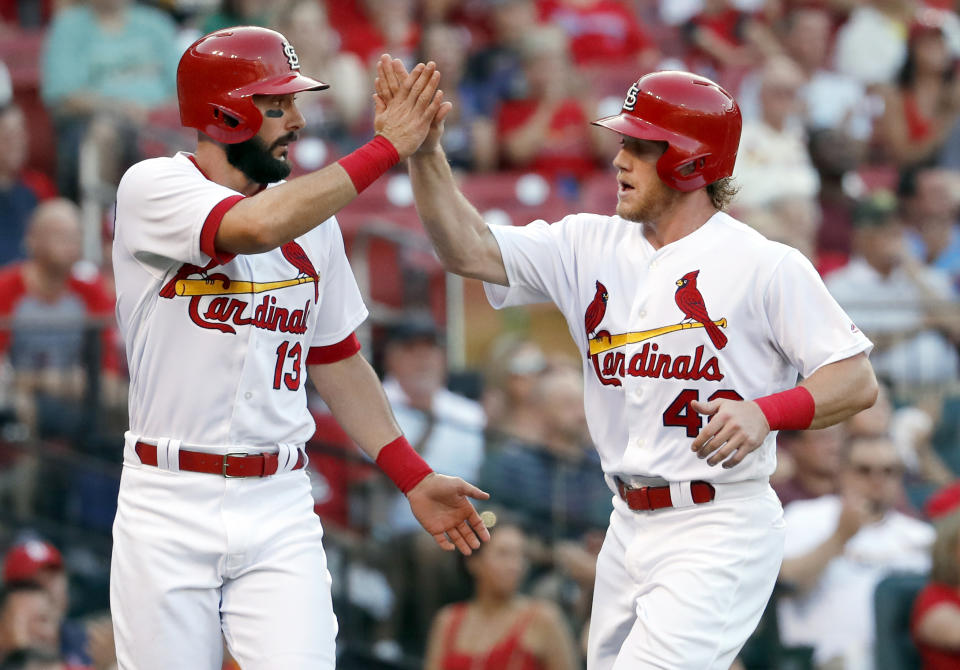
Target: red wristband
(402, 464)
(370, 161)
(792, 409)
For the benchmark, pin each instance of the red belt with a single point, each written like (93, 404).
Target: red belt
(646, 498)
(227, 465)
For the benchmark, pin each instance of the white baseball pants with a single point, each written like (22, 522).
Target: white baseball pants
(683, 589)
(196, 553)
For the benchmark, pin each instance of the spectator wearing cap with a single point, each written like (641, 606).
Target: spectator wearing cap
(908, 309)
(447, 430)
(935, 621)
(839, 547)
(36, 561)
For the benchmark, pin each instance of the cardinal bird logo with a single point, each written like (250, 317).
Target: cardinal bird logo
(691, 304)
(297, 257)
(169, 289)
(596, 309)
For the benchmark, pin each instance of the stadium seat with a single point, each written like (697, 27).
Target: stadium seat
(893, 601)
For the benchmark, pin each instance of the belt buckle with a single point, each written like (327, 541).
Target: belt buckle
(228, 455)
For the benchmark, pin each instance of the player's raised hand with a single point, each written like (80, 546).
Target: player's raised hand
(406, 117)
(735, 428)
(441, 505)
(390, 75)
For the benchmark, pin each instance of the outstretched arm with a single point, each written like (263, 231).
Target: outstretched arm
(355, 397)
(737, 427)
(463, 242)
(277, 215)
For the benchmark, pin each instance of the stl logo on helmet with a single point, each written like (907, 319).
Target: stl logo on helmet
(649, 361)
(291, 56)
(631, 100)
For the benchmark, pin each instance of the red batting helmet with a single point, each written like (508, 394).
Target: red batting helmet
(220, 72)
(699, 121)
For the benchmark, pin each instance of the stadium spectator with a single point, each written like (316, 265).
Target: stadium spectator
(602, 32)
(37, 561)
(512, 371)
(773, 161)
(498, 628)
(28, 618)
(908, 310)
(447, 430)
(495, 71)
(344, 108)
(871, 45)
(816, 456)
(554, 483)
(548, 131)
(923, 106)
(20, 188)
(838, 547)
(369, 28)
(724, 39)
(831, 99)
(47, 312)
(935, 621)
(469, 138)
(836, 155)
(910, 426)
(106, 65)
(929, 198)
(33, 659)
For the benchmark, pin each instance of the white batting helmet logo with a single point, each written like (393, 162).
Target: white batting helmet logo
(291, 56)
(631, 100)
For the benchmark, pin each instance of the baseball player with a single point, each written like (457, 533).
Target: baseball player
(231, 291)
(693, 329)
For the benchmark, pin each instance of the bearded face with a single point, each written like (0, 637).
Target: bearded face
(255, 159)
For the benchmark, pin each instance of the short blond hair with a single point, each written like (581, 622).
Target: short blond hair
(722, 192)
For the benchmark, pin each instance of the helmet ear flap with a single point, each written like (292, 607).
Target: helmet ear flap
(230, 125)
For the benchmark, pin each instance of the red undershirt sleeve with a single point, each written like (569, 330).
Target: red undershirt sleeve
(332, 353)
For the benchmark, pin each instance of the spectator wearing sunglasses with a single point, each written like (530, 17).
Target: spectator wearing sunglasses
(839, 547)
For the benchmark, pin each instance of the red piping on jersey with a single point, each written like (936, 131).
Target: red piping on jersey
(334, 352)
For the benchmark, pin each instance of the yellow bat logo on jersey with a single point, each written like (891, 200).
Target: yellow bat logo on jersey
(648, 362)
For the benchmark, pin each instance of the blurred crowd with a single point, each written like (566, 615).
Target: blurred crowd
(850, 153)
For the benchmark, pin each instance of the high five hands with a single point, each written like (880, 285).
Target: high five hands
(394, 84)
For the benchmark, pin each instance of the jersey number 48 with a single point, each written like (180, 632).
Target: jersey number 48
(681, 414)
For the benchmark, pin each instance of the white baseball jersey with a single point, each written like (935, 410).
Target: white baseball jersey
(720, 313)
(218, 347)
